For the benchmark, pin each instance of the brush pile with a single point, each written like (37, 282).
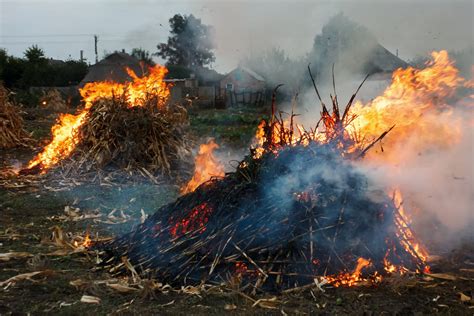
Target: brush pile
(145, 140)
(294, 210)
(12, 133)
(52, 100)
(124, 130)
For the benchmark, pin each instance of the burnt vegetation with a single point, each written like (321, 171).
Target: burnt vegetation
(294, 211)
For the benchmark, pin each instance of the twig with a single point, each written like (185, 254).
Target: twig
(349, 104)
(251, 260)
(325, 110)
(362, 154)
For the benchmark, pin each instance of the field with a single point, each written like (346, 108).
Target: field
(32, 211)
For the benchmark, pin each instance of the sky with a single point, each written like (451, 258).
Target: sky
(62, 27)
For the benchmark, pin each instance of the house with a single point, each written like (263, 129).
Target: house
(242, 86)
(113, 68)
(209, 85)
(382, 61)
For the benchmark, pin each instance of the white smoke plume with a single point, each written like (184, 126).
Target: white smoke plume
(437, 183)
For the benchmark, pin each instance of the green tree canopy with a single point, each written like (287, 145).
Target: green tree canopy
(34, 54)
(190, 43)
(143, 56)
(37, 70)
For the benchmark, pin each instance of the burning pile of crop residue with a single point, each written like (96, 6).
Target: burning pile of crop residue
(277, 221)
(296, 208)
(122, 127)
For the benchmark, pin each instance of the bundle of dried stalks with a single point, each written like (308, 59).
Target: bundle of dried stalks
(12, 133)
(145, 139)
(52, 100)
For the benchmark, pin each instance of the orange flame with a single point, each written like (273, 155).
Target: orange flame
(416, 102)
(350, 279)
(86, 242)
(206, 166)
(64, 133)
(405, 232)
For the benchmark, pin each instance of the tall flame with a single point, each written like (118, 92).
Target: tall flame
(416, 102)
(64, 133)
(206, 166)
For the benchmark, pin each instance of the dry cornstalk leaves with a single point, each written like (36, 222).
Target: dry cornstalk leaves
(268, 303)
(90, 299)
(24, 276)
(14, 255)
(121, 288)
(443, 276)
(12, 133)
(464, 298)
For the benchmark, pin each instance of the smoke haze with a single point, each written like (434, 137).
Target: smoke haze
(436, 182)
(62, 28)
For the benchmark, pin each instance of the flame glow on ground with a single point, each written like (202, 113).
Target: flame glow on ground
(64, 138)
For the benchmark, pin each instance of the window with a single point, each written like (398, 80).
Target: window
(229, 87)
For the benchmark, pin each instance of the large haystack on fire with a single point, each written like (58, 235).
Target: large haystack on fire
(123, 126)
(12, 133)
(298, 210)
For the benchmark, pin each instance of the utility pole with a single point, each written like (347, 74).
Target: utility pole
(96, 39)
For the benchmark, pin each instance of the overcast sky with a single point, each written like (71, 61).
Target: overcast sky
(62, 27)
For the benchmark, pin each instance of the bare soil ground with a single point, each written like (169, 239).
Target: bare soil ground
(30, 211)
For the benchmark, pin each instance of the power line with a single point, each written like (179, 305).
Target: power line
(49, 35)
(123, 36)
(43, 42)
(58, 42)
(82, 41)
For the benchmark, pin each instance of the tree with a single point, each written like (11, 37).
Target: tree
(12, 71)
(277, 67)
(143, 56)
(344, 43)
(37, 70)
(34, 54)
(190, 43)
(3, 61)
